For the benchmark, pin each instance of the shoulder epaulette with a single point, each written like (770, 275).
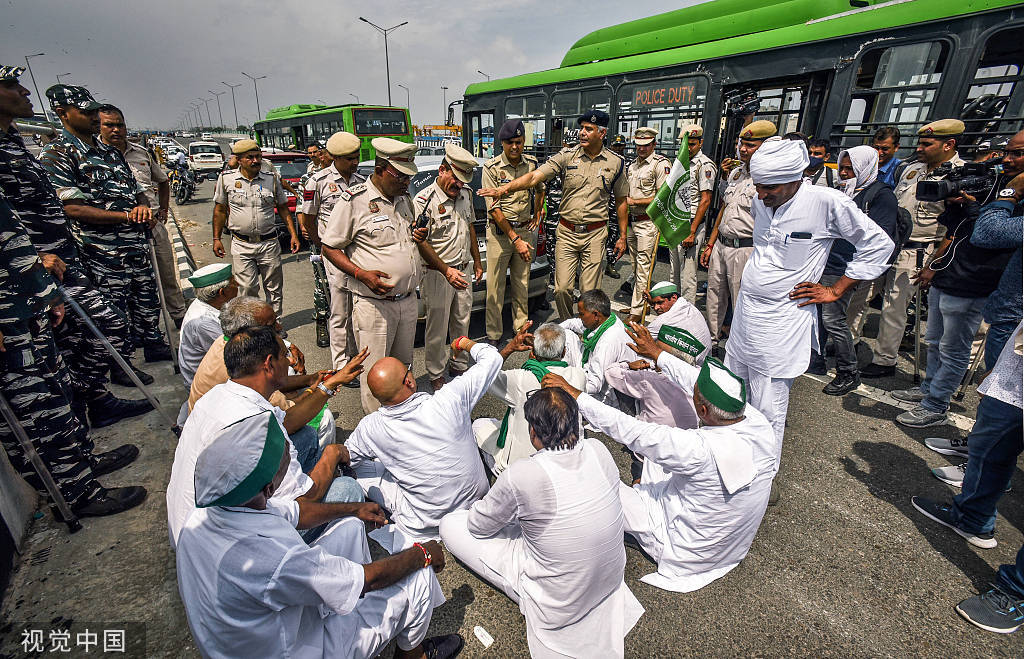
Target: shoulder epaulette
(347, 195)
(493, 161)
(533, 159)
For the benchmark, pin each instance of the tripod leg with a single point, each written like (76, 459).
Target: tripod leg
(917, 322)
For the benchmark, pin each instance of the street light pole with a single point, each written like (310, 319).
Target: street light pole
(444, 105)
(61, 75)
(31, 75)
(484, 75)
(354, 96)
(235, 107)
(259, 114)
(407, 103)
(208, 116)
(387, 63)
(220, 114)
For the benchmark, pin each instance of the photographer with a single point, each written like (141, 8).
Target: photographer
(936, 144)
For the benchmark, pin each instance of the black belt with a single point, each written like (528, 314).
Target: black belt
(389, 298)
(514, 225)
(736, 242)
(250, 239)
(640, 217)
(917, 245)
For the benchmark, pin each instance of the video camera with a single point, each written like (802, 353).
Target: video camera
(741, 103)
(974, 178)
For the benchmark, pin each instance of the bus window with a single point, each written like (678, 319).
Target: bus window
(379, 122)
(995, 100)
(531, 110)
(481, 133)
(566, 107)
(667, 106)
(782, 107)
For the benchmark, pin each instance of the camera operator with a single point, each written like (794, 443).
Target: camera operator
(960, 277)
(936, 144)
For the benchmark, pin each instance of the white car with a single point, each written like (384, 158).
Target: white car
(206, 136)
(188, 134)
(205, 159)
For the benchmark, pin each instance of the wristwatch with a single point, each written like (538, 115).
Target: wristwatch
(327, 390)
(1008, 192)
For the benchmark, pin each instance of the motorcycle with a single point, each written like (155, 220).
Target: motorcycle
(184, 186)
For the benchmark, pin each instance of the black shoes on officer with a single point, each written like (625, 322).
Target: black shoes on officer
(843, 384)
(878, 371)
(610, 271)
(122, 456)
(118, 376)
(110, 501)
(159, 352)
(323, 339)
(108, 409)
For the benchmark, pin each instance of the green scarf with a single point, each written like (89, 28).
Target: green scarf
(539, 370)
(591, 337)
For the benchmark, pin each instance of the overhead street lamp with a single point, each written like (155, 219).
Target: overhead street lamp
(354, 96)
(220, 114)
(444, 105)
(484, 75)
(385, 32)
(407, 103)
(207, 102)
(31, 75)
(61, 75)
(259, 114)
(233, 106)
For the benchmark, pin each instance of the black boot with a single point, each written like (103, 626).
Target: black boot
(108, 410)
(110, 501)
(817, 365)
(442, 647)
(122, 456)
(323, 339)
(158, 352)
(118, 376)
(843, 383)
(80, 409)
(610, 271)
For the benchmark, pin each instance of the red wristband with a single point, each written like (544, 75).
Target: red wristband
(459, 340)
(427, 560)
(356, 273)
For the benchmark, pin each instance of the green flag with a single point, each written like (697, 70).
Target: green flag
(670, 211)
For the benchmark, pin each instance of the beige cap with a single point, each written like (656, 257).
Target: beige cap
(694, 130)
(644, 135)
(463, 163)
(401, 155)
(758, 130)
(244, 146)
(942, 128)
(342, 143)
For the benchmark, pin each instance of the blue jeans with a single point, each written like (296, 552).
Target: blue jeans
(1011, 577)
(992, 450)
(952, 323)
(307, 446)
(342, 490)
(998, 334)
(834, 325)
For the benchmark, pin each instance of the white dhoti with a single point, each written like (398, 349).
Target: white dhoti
(381, 488)
(769, 395)
(486, 431)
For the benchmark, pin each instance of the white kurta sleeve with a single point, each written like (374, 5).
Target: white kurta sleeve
(309, 576)
(499, 388)
(679, 371)
(574, 325)
(471, 386)
(873, 246)
(621, 379)
(359, 448)
(675, 450)
(496, 510)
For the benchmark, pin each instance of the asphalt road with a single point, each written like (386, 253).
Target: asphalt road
(842, 566)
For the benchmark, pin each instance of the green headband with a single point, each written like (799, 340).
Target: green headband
(713, 393)
(681, 340)
(263, 473)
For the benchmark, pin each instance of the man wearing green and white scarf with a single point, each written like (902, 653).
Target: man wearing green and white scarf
(507, 439)
(604, 342)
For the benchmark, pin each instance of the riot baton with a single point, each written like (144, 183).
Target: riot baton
(125, 366)
(37, 463)
(917, 321)
(160, 296)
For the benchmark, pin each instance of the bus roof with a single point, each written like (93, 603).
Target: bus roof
(721, 28)
(305, 109)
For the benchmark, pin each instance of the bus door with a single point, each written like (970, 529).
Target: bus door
(479, 127)
(993, 107)
(668, 106)
(780, 102)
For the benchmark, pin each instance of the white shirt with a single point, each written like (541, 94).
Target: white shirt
(611, 348)
(566, 505)
(427, 445)
(770, 333)
(199, 329)
(252, 587)
(1004, 383)
(685, 316)
(706, 489)
(217, 409)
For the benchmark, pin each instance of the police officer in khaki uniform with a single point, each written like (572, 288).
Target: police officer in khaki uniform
(683, 257)
(369, 238)
(591, 173)
(645, 175)
(732, 238)
(444, 210)
(512, 230)
(326, 185)
(244, 202)
(936, 144)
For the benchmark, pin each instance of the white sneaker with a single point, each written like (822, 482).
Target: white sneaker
(947, 446)
(951, 475)
(908, 395)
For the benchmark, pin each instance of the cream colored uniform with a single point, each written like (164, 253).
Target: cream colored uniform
(583, 217)
(645, 178)
(376, 234)
(501, 256)
(255, 251)
(327, 185)
(927, 234)
(683, 260)
(448, 309)
(733, 248)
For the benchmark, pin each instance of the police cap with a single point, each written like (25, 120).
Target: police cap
(244, 146)
(342, 143)
(72, 96)
(597, 117)
(694, 130)
(510, 129)
(461, 161)
(758, 130)
(401, 155)
(619, 140)
(942, 128)
(644, 135)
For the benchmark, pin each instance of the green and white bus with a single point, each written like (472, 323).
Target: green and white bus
(838, 69)
(294, 127)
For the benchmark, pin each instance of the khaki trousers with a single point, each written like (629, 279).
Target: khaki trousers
(502, 258)
(683, 268)
(253, 261)
(724, 272)
(577, 252)
(388, 329)
(168, 266)
(898, 292)
(642, 240)
(339, 325)
(447, 319)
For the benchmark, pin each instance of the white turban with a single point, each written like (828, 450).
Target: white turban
(782, 161)
(864, 159)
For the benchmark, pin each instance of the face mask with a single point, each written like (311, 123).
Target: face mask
(849, 186)
(816, 162)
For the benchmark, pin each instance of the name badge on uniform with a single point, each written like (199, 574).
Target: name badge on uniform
(333, 187)
(440, 209)
(374, 207)
(238, 184)
(911, 174)
(505, 180)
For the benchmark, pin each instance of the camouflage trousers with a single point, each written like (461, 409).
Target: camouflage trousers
(321, 290)
(36, 383)
(86, 358)
(129, 284)
(613, 236)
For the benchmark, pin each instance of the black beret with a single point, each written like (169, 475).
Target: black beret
(511, 128)
(594, 117)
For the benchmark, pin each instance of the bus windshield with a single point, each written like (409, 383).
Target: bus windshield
(380, 122)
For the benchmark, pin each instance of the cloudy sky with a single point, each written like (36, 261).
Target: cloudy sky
(154, 58)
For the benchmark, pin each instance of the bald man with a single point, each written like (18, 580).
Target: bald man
(416, 455)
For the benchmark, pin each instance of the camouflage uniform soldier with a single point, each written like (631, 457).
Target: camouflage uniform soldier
(617, 146)
(34, 381)
(29, 191)
(110, 214)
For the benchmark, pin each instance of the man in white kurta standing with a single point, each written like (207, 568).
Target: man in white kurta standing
(549, 535)
(603, 338)
(416, 455)
(774, 324)
(253, 588)
(703, 492)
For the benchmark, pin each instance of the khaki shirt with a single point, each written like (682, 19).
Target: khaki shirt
(450, 219)
(924, 213)
(250, 204)
(646, 177)
(588, 183)
(516, 206)
(702, 174)
(147, 172)
(376, 234)
(326, 184)
(737, 218)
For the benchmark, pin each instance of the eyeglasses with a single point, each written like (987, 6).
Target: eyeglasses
(396, 174)
(407, 372)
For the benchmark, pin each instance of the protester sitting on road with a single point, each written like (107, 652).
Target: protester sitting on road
(503, 441)
(252, 587)
(213, 286)
(258, 362)
(604, 342)
(416, 455)
(549, 535)
(675, 311)
(703, 491)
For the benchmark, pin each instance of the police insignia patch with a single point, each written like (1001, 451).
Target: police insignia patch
(667, 169)
(707, 173)
(911, 174)
(374, 207)
(333, 187)
(238, 184)
(440, 208)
